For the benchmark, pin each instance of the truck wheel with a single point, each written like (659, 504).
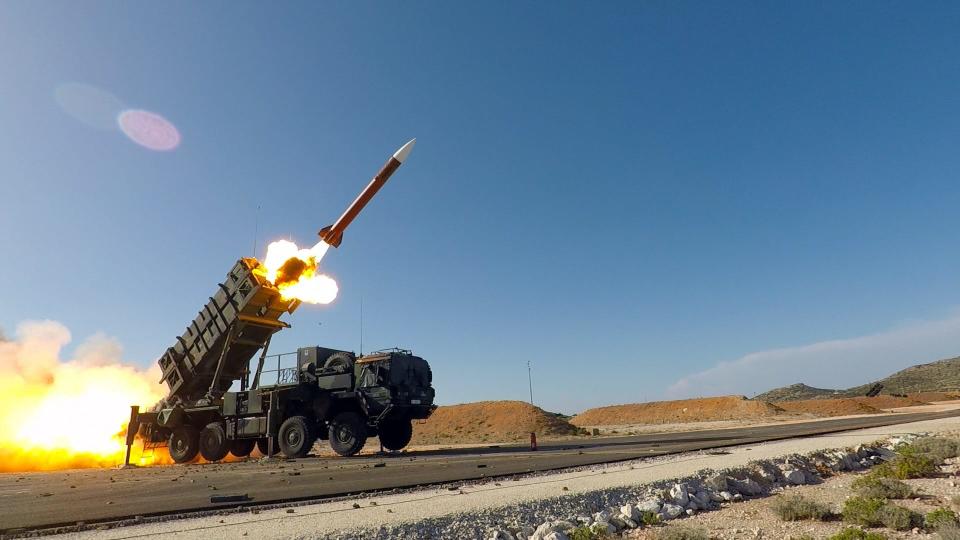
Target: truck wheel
(296, 437)
(348, 433)
(262, 445)
(183, 444)
(395, 433)
(341, 361)
(242, 447)
(213, 442)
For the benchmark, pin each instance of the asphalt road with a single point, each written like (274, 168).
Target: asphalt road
(39, 500)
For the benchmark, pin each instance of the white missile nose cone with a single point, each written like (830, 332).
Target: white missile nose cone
(404, 151)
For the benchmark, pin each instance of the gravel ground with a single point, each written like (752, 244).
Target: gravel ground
(753, 519)
(471, 510)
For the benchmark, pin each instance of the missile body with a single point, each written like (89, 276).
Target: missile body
(333, 234)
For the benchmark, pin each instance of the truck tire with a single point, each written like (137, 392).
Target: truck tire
(296, 437)
(348, 433)
(262, 445)
(242, 447)
(213, 442)
(395, 433)
(341, 361)
(183, 444)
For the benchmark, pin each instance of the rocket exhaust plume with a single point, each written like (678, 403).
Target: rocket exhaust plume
(294, 272)
(58, 414)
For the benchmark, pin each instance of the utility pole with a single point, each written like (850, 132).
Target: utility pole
(530, 380)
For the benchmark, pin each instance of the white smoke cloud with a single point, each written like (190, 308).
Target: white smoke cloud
(42, 395)
(839, 363)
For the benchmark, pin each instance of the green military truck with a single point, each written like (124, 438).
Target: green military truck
(213, 407)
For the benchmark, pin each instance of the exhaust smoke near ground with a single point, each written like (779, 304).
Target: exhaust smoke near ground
(58, 414)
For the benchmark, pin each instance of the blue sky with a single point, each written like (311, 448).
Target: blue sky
(625, 194)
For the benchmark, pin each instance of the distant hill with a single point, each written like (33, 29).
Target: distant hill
(797, 392)
(939, 376)
(684, 410)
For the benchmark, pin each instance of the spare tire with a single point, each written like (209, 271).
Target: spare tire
(340, 361)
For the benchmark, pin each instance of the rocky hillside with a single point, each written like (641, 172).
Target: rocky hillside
(684, 410)
(489, 421)
(939, 376)
(796, 392)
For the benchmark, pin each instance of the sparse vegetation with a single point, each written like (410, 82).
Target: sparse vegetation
(862, 511)
(853, 533)
(939, 447)
(872, 486)
(898, 518)
(649, 518)
(682, 532)
(878, 512)
(940, 518)
(909, 464)
(588, 533)
(796, 508)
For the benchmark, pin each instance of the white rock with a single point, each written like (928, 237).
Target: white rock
(690, 511)
(748, 486)
(631, 524)
(679, 494)
(586, 520)
(602, 515)
(556, 535)
(717, 482)
(545, 529)
(703, 499)
(670, 511)
(630, 511)
(603, 527)
(649, 505)
(794, 476)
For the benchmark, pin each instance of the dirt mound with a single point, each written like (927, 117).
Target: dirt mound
(889, 402)
(934, 396)
(489, 421)
(684, 410)
(827, 407)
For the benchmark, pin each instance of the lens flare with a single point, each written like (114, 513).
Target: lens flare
(93, 106)
(149, 130)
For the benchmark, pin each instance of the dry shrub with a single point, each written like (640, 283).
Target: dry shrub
(873, 486)
(796, 508)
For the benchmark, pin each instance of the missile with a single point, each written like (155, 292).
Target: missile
(333, 234)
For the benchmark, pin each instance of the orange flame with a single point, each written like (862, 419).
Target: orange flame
(58, 414)
(294, 272)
